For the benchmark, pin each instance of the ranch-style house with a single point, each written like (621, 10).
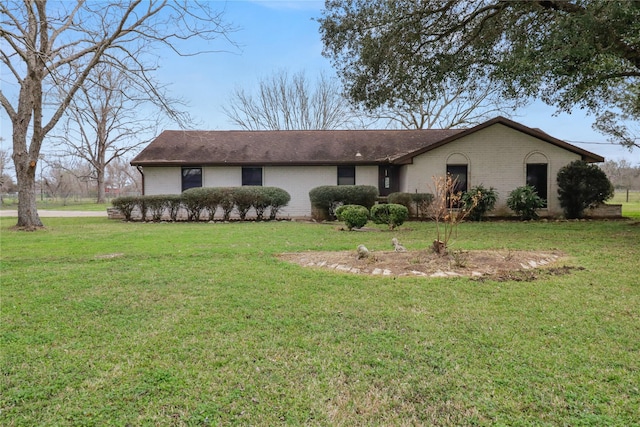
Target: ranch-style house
(498, 153)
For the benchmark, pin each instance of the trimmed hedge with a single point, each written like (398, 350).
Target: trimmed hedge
(327, 198)
(125, 205)
(354, 216)
(392, 214)
(207, 200)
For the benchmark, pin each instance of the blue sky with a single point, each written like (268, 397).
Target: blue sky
(276, 35)
(282, 35)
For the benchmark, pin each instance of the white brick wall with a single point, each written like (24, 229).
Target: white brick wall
(296, 180)
(497, 158)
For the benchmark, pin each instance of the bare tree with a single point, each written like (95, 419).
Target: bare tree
(623, 175)
(285, 102)
(108, 119)
(6, 181)
(58, 44)
(123, 178)
(454, 105)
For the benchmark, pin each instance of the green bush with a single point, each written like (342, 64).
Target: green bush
(353, 216)
(326, 198)
(194, 201)
(227, 202)
(156, 205)
(174, 203)
(278, 198)
(260, 201)
(244, 198)
(582, 185)
(524, 201)
(479, 200)
(392, 214)
(414, 202)
(125, 205)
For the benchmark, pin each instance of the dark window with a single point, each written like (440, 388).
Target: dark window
(252, 176)
(191, 178)
(537, 178)
(346, 175)
(458, 173)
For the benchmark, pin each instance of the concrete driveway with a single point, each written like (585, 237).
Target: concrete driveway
(58, 214)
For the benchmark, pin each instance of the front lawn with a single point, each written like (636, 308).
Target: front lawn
(105, 322)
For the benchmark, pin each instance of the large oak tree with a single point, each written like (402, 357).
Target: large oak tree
(47, 45)
(569, 53)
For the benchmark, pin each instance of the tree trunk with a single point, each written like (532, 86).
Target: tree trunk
(100, 185)
(28, 217)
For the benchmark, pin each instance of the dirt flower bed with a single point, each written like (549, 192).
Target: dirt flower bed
(499, 264)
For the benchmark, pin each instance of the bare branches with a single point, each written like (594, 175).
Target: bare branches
(286, 102)
(56, 45)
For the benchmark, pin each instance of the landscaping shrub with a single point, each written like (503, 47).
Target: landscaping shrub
(353, 216)
(415, 202)
(524, 201)
(243, 198)
(227, 202)
(156, 205)
(193, 200)
(479, 201)
(582, 185)
(125, 205)
(326, 199)
(174, 203)
(278, 198)
(260, 201)
(392, 214)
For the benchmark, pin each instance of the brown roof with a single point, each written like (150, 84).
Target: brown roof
(318, 147)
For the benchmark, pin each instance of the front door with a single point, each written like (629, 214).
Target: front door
(388, 181)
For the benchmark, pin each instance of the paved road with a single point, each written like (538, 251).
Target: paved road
(58, 214)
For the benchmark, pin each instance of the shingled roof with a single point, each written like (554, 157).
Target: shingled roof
(317, 147)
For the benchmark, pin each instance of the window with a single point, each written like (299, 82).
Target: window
(346, 175)
(191, 178)
(458, 172)
(252, 176)
(537, 178)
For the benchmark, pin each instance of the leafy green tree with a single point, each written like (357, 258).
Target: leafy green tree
(569, 53)
(581, 185)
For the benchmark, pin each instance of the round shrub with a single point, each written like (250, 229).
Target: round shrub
(403, 199)
(392, 214)
(174, 203)
(479, 200)
(417, 203)
(156, 205)
(524, 201)
(194, 201)
(125, 205)
(326, 198)
(277, 198)
(581, 185)
(354, 216)
(244, 198)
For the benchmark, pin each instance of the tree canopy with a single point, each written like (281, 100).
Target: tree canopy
(569, 53)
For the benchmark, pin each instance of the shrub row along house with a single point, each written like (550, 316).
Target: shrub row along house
(499, 153)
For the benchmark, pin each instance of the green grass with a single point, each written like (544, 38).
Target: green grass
(630, 209)
(70, 204)
(111, 323)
